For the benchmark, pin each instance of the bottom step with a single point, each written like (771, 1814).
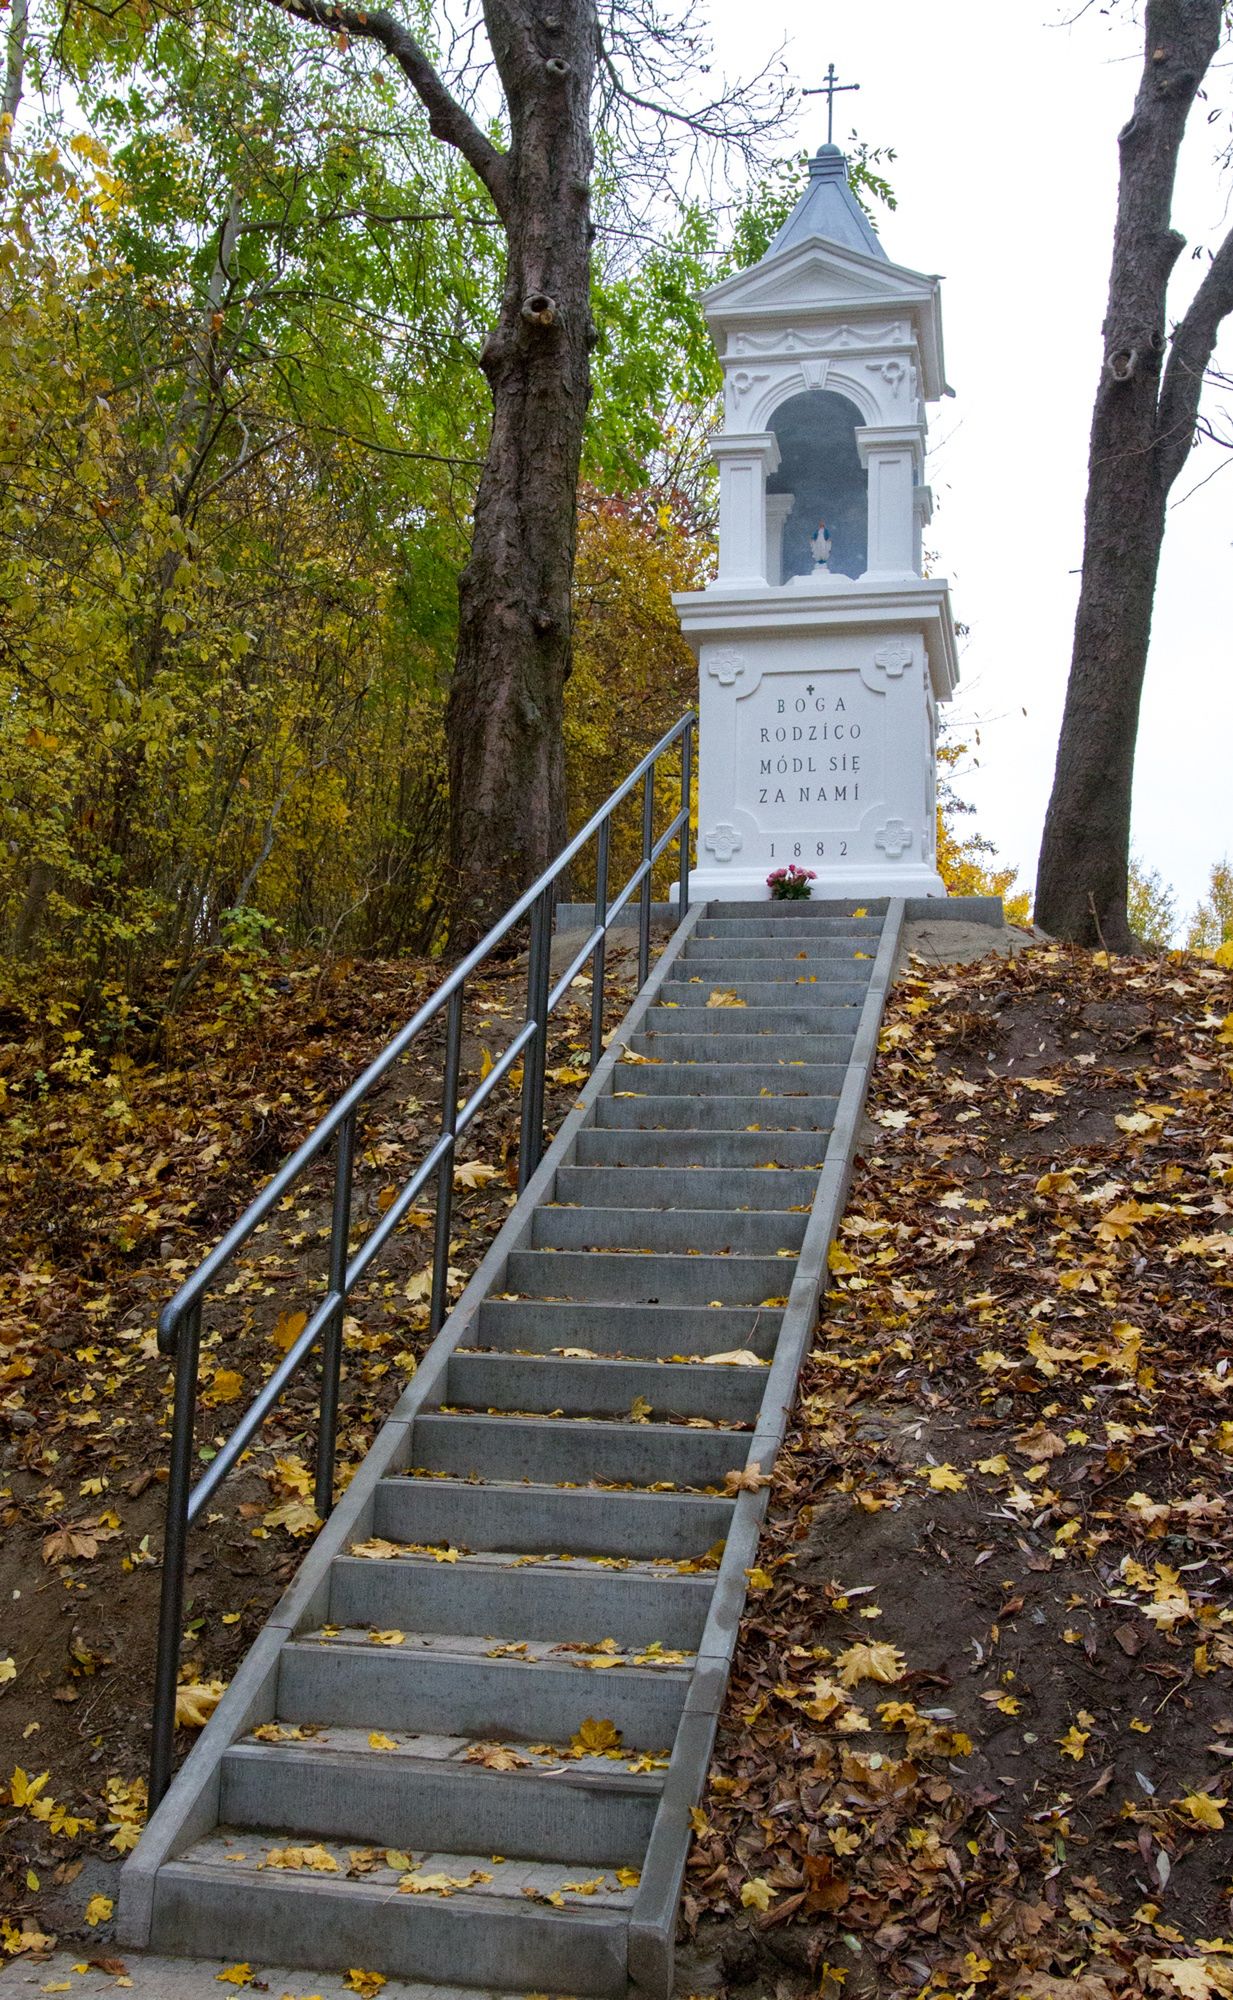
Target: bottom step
(542, 1926)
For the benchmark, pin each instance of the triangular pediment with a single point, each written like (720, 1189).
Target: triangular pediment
(816, 274)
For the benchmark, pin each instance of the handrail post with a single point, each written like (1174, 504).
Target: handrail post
(599, 957)
(644, 897)
(539, 965)
(687, 745)
(445, 1172)
(175, 1546)
(332, 1337)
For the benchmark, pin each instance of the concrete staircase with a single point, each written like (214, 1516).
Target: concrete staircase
(487, 1704)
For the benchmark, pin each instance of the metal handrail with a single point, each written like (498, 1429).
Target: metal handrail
(179, 1325)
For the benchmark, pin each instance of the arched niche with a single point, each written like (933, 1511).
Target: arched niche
(820, 465)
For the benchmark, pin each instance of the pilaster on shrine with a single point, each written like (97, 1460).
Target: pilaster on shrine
(823, 650)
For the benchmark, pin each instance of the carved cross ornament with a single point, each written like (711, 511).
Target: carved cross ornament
(723, 841)
(894, 659)
(894, 839)
(725, 664)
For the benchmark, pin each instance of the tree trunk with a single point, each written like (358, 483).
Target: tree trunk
(504, 721)
(1133, 458)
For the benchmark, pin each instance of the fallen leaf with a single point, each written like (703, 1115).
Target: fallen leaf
(1205, 1810)
(196, 1702)
(595, 1736)
(287, 1329)
(876, 1661)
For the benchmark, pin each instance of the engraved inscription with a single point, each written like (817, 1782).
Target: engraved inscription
(810, 751)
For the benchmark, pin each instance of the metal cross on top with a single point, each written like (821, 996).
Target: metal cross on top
(828, 91)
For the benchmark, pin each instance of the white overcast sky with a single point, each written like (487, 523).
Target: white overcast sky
(1005, 125)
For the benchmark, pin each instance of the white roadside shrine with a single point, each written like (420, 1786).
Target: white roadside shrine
(822, 649)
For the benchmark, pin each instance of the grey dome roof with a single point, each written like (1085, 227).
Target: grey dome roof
(829, 208)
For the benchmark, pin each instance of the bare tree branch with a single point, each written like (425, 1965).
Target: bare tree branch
(1193, 343)
(447, 120)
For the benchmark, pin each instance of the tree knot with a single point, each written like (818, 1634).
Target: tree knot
(538, 309)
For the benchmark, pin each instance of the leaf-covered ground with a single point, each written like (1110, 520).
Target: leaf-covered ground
(982, 1721)
(119, 1168)
(980, 1732)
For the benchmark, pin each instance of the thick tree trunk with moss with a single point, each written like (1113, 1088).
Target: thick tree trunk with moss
(1142, 429)
(506, 748)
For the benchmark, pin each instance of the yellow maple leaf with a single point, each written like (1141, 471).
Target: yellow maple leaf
(390, 1638)
(1205, 1810)
(944, 1479)
(760, 1580)
(628, 1878)
(876, 1661)
(746, 1480)
(368, 1984)
(196, 1702)
(418, 1884)
(294, 1859)
(8, 1669)
(235, 1975)
(839, 1261)
(1074, 1743)
(287, 1329)
(298, 1517)
(226, 1386)
(98, 1911)
(473, 1173)
(379, 1741)
(1194, 1978)
(724, 997)
(22, 1789)
(595, 1736)
(757, 1894)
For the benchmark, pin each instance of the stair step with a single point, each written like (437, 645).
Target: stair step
(785, 987)
(748, 1231)
(701, 1187)
(838, 955)
(513, 1699)
(722, 1079)
(541, 1519)
(667, 1044)
(577, 1452)
(618, 1276)
(624, 1146)
(805, 1018)
(431, 1792)
(639, 1332)
(599, 1387)
(820, 906)
(520, 1597)
(798, 924)
(489, 1935)
(734, 1111)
